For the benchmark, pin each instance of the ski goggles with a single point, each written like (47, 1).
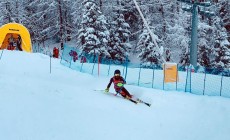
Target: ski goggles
(116, 74)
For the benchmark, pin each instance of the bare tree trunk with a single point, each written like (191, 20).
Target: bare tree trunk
(101, 4)
(119, 4)
(8, 11)
(61, 23)
(17, 12)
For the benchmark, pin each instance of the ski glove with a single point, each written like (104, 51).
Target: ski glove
(120, 84)
(107, 90)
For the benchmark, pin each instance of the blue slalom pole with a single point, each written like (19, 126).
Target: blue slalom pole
(126, 67)
(109, 66)
(139, 75)
(1, 54)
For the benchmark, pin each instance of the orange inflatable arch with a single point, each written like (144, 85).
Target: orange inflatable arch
(15, 30)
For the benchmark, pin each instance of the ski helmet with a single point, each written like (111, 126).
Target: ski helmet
(117, 72)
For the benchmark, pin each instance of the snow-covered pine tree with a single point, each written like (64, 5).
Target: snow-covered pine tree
(16, 10)
(131, 16)
(174, 30)
(103, 35)
(76, 14)
(204, 44)
(31, 19)
(168, 55)
(93, 36)
(69, 26)
(170, 25)
(224, 14)
(221, 51)
(119, 39)
(149, 54)
(6, 11)
(11, 11)
(177, 41)
(43, 23)
(3, 10)
(179, 32)
(184, 57)
(203, 55)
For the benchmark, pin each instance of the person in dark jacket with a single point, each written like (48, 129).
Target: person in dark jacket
(119, 82)
(74, 55)
(19, 42)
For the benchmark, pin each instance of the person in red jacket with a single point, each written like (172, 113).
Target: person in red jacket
(55, 52)
(119, 82)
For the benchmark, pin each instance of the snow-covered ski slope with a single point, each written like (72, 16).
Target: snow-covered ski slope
(37, 105)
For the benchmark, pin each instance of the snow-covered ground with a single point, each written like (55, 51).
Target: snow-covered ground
(37, 105)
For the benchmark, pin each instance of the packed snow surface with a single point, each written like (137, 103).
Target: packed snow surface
(62, 105)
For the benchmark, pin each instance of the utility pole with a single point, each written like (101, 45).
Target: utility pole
(194, 38)
(192, 6)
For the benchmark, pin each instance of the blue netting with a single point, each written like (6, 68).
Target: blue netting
(182, 74)
(209, 88)
(225, 90)
(197, 83)
(200, 81)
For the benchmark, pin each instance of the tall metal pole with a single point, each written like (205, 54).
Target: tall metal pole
(194, 39)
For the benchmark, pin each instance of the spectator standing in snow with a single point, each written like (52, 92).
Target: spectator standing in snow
(11, 42)
(55, 52)
(19, 42)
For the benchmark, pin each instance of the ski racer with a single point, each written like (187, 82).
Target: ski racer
(119, 82)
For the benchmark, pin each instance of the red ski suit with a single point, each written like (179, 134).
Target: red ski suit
(118, 79)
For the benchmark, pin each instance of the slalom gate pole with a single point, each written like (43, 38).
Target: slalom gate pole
(81, 63)
(186, 85)
(221, 84)
(70, 62)
(153, 77)
(126, 67)
(139, 75)
(1, 55)
(50, 62)
(176, 75)
(93, 64)
(109, 66)
(204, 82)
(98, 71)
(62, 54)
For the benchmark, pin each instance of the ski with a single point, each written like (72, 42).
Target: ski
(110, 93)
(132, 100)
(140, 101)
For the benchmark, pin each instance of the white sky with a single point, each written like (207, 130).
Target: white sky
(37, 105)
